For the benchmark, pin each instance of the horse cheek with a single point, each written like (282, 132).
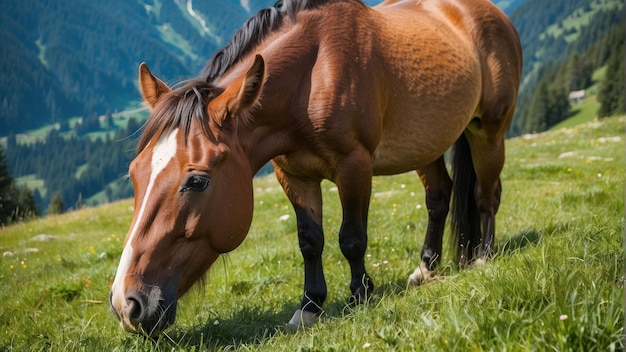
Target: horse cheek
(230, 212)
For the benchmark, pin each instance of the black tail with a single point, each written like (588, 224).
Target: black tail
(466, 230)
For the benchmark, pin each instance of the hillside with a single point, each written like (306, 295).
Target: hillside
(79, 57)
(556, 282)
(564, 44)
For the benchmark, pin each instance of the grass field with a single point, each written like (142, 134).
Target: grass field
(556, 282)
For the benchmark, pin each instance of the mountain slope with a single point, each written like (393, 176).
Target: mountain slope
(563, 43)
(65, 58)
(62, 58)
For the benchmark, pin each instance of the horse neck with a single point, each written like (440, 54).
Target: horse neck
(281, 121)
(272, 125)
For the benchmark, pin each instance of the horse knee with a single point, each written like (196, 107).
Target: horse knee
(353, 247)
(311, 245)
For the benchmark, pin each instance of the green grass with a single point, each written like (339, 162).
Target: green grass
(556, 282)
(584, 112)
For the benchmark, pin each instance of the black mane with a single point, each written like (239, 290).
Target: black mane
(253, 32)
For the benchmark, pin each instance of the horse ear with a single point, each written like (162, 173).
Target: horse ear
(152, 88)
(241, 95)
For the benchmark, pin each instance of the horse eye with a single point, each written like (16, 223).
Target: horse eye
(196, 183)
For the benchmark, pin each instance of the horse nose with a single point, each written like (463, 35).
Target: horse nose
(147, 309)
(144, 311)
(135, 308)
(135, 311)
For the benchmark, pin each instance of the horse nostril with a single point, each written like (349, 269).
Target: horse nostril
(134, 309)
(112, 306)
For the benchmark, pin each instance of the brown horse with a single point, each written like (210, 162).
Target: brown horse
(325, 89)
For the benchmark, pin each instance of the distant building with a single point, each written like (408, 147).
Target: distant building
(576, 96)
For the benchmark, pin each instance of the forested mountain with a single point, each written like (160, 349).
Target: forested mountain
(64, 59)
(564, 42)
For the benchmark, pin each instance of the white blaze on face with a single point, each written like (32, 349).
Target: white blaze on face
(162, 154)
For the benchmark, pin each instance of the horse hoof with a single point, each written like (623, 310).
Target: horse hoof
(480, 262)
(302, 319)
(361, 295)
(420, 276)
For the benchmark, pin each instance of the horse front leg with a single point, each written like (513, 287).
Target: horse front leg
(438, 186)
(354, 183)
(306, 197)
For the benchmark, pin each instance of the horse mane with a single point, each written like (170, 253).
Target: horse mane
(253, 32)
(180, 107)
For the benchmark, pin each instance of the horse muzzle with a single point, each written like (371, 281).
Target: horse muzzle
(145, 311)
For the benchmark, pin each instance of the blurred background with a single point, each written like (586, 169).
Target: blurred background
(71, 110)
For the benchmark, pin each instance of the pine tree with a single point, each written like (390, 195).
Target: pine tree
(539, 110)
(56, 204)
(612, 90)
(5, 173)
(27, 202)
(16, 203)
(6, 180)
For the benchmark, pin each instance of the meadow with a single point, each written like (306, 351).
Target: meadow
(556, 281)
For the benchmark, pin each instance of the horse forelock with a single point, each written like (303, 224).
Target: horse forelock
(178, 109)
(254, 31)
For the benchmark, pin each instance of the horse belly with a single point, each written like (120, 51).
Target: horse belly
(412, 147)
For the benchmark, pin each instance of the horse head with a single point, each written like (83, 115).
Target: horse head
(193, 194)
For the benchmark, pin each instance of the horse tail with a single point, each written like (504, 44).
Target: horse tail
(465, 221)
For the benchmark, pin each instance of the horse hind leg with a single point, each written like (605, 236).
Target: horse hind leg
(488, 161)
(438, 186)
(486, 143)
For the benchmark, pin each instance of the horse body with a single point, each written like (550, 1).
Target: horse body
(380, 89)
(338, 91)
(417, 42)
